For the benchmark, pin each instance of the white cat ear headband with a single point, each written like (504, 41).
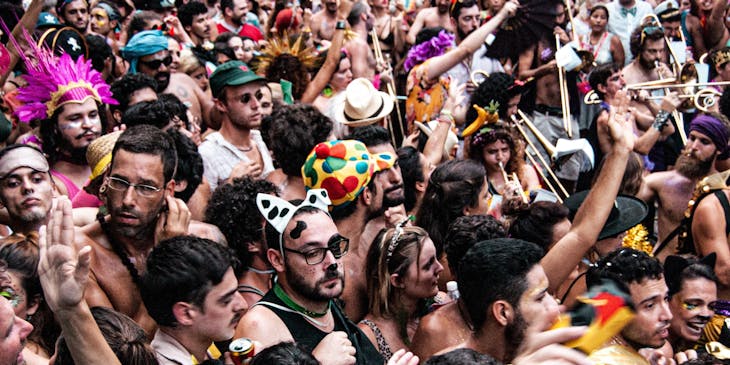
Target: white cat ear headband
(278, 212)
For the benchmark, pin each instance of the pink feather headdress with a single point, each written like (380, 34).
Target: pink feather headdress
(54, 81)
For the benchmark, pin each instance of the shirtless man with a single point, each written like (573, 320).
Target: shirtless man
(548, 115)
(138, 191)
(607, 80)
(673, 189)
(648, 44)
(709, 225)
(147, 52)
(361, 22)
(437, 16)
(324, 21)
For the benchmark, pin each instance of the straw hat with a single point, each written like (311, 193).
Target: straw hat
(363, 104)
(99, 153)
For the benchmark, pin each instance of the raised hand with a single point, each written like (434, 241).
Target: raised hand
(63, 271)
(174, 222)
(620, 128)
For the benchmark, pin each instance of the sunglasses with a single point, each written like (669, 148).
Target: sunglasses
(155, 64)
(246, 98)
(649, 31)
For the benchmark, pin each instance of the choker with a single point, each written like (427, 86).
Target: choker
(289, 302)
(257, 271)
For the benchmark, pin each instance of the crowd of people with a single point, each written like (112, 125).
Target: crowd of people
(346, 182)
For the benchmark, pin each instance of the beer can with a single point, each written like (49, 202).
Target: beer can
(241, 350)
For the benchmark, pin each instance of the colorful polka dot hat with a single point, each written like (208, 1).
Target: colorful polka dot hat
(343, 168)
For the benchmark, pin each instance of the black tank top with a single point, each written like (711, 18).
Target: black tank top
(309, 336)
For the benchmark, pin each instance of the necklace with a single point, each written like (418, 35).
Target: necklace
(245, 149)
(289, 302)
(257, 271)
(119, 250)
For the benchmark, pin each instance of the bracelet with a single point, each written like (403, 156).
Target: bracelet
(340, 25)
(661, 119)
(446, 117)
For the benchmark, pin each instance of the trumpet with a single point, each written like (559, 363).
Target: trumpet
(513, 178)
(675, 114)
(475, 73)
(703, 99)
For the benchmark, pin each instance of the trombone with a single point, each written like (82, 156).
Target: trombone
(564, 102)
(654, 19)
(390, 85)
(703, 99)
(549, 148)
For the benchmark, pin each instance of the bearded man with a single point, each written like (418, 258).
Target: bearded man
(673, 189)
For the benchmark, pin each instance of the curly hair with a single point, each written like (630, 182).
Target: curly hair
(293, 132)
(232, 208)
(140, 21)
(537, 222)
(498, 87)
(452, 187)
(189, 164)
(123, 89)
(640, 35)
(625, 266)
(288, 67)
(465, 232)
(478, 142)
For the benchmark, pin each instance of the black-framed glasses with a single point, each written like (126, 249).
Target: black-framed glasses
(246, 98)
(118, 184)
(338, 245)
(155, 64)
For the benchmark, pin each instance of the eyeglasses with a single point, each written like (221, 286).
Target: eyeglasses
(246, 98)
(118, 184)
(338, 245)
(155, 64)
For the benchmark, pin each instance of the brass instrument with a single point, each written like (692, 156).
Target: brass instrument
(702, 99)
(654, 19)
(654, 84)
(673, 85)
(549, 147)
(390, 85)
(591, 98)
(475, 73)
(564, 102)
(513, 178)
(678, 120)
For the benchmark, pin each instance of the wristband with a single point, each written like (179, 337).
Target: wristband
(446, 116)
(661, 119)
(340, 25)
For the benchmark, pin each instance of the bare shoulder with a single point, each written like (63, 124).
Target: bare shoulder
(206, 230)
(263, 325)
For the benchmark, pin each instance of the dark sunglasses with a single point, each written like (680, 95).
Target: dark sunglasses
(246, 98)
(155, 64)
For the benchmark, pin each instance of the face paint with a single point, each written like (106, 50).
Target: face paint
(298, 229)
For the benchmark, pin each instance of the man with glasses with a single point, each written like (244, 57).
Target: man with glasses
(237, 148)
(306, 251)
(138, 192)
(147, 52)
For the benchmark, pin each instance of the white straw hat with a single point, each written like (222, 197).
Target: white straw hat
(363, 105)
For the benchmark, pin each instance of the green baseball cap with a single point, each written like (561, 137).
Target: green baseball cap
(231, 73)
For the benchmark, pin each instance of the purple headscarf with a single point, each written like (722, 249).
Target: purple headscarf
(715, 130)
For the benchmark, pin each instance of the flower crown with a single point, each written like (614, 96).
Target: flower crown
(54, 81)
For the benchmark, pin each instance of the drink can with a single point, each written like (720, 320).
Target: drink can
(241, 350)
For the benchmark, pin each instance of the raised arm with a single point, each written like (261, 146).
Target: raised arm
(333, 58)
(64, 273)
(438, 65)
(709, 236)
(27, 22)
(593, 213)
(415, 27)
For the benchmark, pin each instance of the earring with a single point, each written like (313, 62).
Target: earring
(102, 189)
(28, 317)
